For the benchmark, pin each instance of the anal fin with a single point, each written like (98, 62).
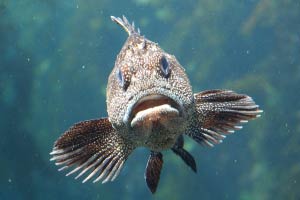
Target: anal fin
(92, 146)
(153, 169)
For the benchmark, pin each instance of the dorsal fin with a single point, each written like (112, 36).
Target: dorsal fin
(124, 23)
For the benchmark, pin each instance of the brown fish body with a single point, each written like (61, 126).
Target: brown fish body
(145, 104)
(150, 104)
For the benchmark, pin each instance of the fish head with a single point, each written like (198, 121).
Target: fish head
(147, 86)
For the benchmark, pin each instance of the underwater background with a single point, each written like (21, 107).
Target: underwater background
(55, 58)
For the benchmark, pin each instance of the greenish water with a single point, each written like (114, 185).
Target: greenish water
(55, 58)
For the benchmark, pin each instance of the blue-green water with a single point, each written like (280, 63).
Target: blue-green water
(55, 58)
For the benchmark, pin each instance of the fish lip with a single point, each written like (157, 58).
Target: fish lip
(155, 99)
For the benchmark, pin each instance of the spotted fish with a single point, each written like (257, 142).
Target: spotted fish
(150, 103)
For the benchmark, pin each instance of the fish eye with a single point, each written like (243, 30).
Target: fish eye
(124, 83)
(120, 77)
(165, 67)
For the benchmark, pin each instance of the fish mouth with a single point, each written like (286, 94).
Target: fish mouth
(152, 108)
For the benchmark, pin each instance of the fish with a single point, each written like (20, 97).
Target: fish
(150, 104)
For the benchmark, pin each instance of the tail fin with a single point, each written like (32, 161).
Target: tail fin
(92, 145)
(220, 111)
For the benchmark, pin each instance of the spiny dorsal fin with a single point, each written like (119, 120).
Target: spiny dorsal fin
(124, 23)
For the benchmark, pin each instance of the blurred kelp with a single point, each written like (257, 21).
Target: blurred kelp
(55, 58)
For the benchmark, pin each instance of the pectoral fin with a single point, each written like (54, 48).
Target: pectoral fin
(92, 146)
(220, 112)
(153, 169)
(184, 154)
